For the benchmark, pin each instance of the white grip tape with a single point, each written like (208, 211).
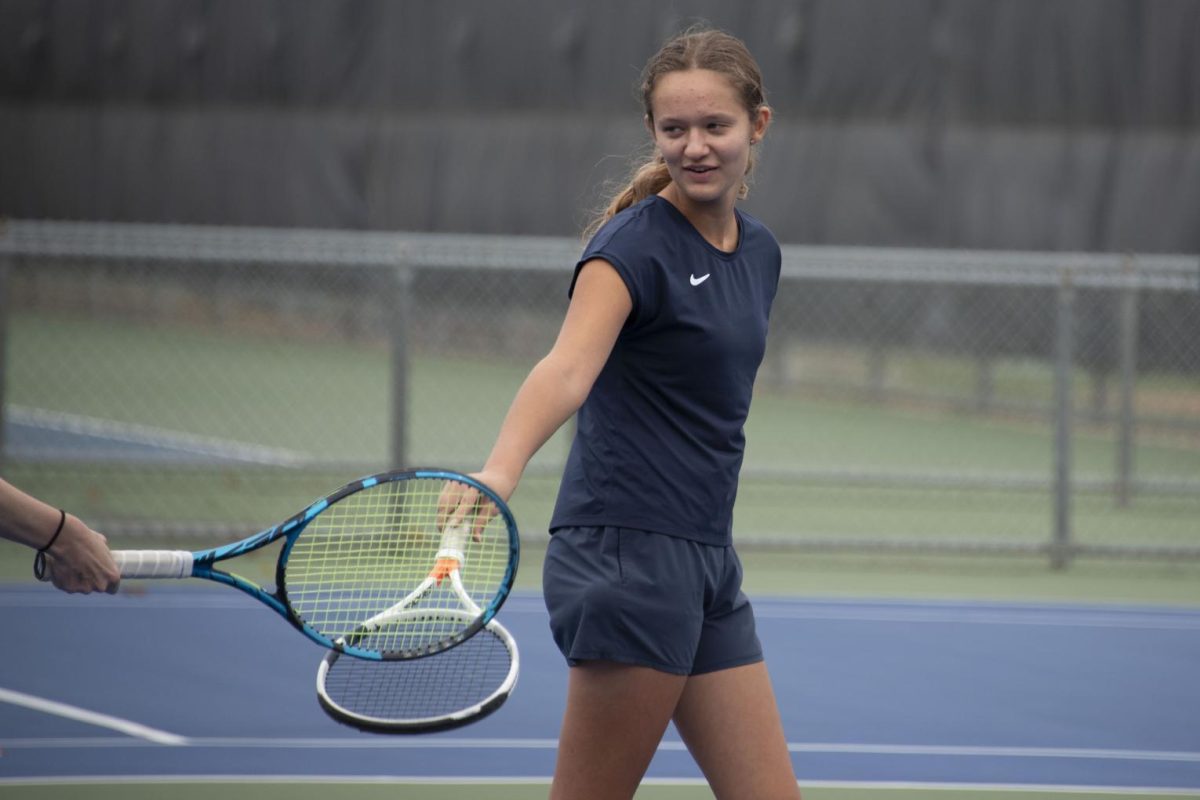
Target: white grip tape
(154, 563)
(454, 542)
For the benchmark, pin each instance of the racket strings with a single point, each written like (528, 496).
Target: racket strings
(369, 551)
(389, 692)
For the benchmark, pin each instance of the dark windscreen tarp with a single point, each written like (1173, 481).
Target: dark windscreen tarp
(1028, 124)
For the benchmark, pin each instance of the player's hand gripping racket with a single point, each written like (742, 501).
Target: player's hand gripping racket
(362, 553)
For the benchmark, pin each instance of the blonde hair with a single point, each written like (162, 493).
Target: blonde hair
(695, 48)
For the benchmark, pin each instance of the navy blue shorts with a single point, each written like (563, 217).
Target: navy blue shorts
(635, 597)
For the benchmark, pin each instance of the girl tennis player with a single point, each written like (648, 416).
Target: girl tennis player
(658, 352)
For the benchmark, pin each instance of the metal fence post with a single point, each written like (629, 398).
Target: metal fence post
(985, 383)
(402, 281)
(1127, 355)
(877, 372)
(1060, 545)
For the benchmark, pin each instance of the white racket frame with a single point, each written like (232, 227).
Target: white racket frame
(441, 721)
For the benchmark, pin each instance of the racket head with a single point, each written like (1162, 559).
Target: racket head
(367, 547)
(447, 690)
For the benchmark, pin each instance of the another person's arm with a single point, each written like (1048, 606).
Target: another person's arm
(78, 560)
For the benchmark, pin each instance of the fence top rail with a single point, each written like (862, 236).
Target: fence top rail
(192, 243)
(210, 243)
(992, 267)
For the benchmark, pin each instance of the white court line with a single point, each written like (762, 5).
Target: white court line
(464, 743)
(147, 435)
(1048, 619)
(90, 717)
(1100, 616)
(390, 780)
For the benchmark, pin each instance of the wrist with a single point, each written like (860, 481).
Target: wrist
(39, 560)
(502, 479)
(62, 523)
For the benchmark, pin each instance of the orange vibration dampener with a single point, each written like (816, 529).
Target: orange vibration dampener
(442, 569)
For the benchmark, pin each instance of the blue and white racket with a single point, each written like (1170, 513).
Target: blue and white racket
(357, 558)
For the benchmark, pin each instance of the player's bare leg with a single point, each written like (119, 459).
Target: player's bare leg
(616, 715)
(730, 723)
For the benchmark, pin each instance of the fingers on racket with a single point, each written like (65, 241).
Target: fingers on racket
(461, 504)
(453, 496)
(449, 690)
(371, 554)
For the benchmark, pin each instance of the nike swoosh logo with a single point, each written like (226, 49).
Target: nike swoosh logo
(697, 281)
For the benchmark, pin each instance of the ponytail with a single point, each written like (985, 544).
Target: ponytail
(649, 177)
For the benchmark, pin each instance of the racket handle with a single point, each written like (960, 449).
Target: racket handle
(454, 541)
(154, 563)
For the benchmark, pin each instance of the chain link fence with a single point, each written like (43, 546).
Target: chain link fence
(210, 381)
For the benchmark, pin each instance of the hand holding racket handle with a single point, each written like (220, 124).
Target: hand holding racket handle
(154, 563)
(344, 556)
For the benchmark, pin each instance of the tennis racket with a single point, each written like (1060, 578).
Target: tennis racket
(372, 547)
(447, 690)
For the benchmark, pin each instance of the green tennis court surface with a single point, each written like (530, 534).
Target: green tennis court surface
(278, 422)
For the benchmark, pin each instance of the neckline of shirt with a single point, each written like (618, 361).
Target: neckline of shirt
(700, 237)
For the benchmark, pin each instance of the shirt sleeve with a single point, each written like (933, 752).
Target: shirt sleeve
(623, 245)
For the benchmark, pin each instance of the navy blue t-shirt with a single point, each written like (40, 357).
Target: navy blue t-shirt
(659, 440)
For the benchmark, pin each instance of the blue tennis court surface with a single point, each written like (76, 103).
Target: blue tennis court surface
(194, 681)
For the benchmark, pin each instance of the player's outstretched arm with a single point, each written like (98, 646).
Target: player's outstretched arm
(77, 557)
